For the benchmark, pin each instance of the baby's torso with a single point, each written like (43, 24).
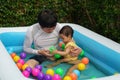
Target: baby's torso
(73, 45)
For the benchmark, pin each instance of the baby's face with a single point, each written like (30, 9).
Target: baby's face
(64, 38)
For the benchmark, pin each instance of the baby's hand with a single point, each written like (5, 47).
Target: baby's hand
(54, 52)
(45, 52)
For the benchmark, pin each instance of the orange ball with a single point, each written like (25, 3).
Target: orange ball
(13, 55)
(85, 60)
(73, 76)
(19, 65)
(60, 44)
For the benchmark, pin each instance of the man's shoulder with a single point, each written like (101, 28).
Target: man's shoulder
(35, 25)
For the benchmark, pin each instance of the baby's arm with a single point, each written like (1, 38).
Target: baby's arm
(62, 53)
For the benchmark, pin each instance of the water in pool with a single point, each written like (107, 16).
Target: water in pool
(89, 73)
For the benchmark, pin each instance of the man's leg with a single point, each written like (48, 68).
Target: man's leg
(35, 60)
(32, 63)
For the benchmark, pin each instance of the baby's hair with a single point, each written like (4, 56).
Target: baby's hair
(67, 30)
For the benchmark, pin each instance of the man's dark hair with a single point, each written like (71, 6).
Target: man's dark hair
(67, 30)
(47, 18)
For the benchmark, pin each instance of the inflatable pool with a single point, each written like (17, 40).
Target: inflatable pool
(103, 53)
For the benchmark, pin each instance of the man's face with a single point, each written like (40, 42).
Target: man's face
(49, 30)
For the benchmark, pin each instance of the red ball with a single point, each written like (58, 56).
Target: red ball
(85, 60)
(19, 65)
(60, 44)
(73, 76)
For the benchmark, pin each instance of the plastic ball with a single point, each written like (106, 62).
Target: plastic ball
(21, 61)
(26, 73)
(81, 66)
(67, 78)
(85, 60)
(39, 67)
(29, 69)
(23, 55)
(56, 77)
(24, 66)
(50, 72)
(35, 72)
(73, 76)
(59, 71)
(19, 65)
(13, 55)
(41, 76)
(48, 77)
(16, 58)
(77, 72)
(60, 44)
(82, 53)
(57, 56)
(51, 49)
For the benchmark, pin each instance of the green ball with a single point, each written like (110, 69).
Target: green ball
(51, 49)
(57, 56)
(59, 71)
(82, 53)
(63, 46)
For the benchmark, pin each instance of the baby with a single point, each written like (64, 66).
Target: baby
(66, 34)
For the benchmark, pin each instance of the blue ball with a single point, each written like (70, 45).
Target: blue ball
(77, 72)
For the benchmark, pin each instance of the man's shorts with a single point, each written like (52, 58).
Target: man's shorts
(39, 58)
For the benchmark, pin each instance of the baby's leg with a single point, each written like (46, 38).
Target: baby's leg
(32, 63)
(57, 62)
(71, 69)
(74, 62)
(75, 66)
(51, 58)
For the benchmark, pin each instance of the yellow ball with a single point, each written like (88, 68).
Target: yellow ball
(16, 58)
(67, 78)
(81, 66)
(50, 72)
(24, 67)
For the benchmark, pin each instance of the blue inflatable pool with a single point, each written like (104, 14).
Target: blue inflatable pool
(103, 53)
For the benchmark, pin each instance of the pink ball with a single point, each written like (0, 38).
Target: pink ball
(21, 61)
(26, 73)
(56, 77)
(35, 72)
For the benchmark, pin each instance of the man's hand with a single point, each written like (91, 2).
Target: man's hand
(45, 53)
(75, 52)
